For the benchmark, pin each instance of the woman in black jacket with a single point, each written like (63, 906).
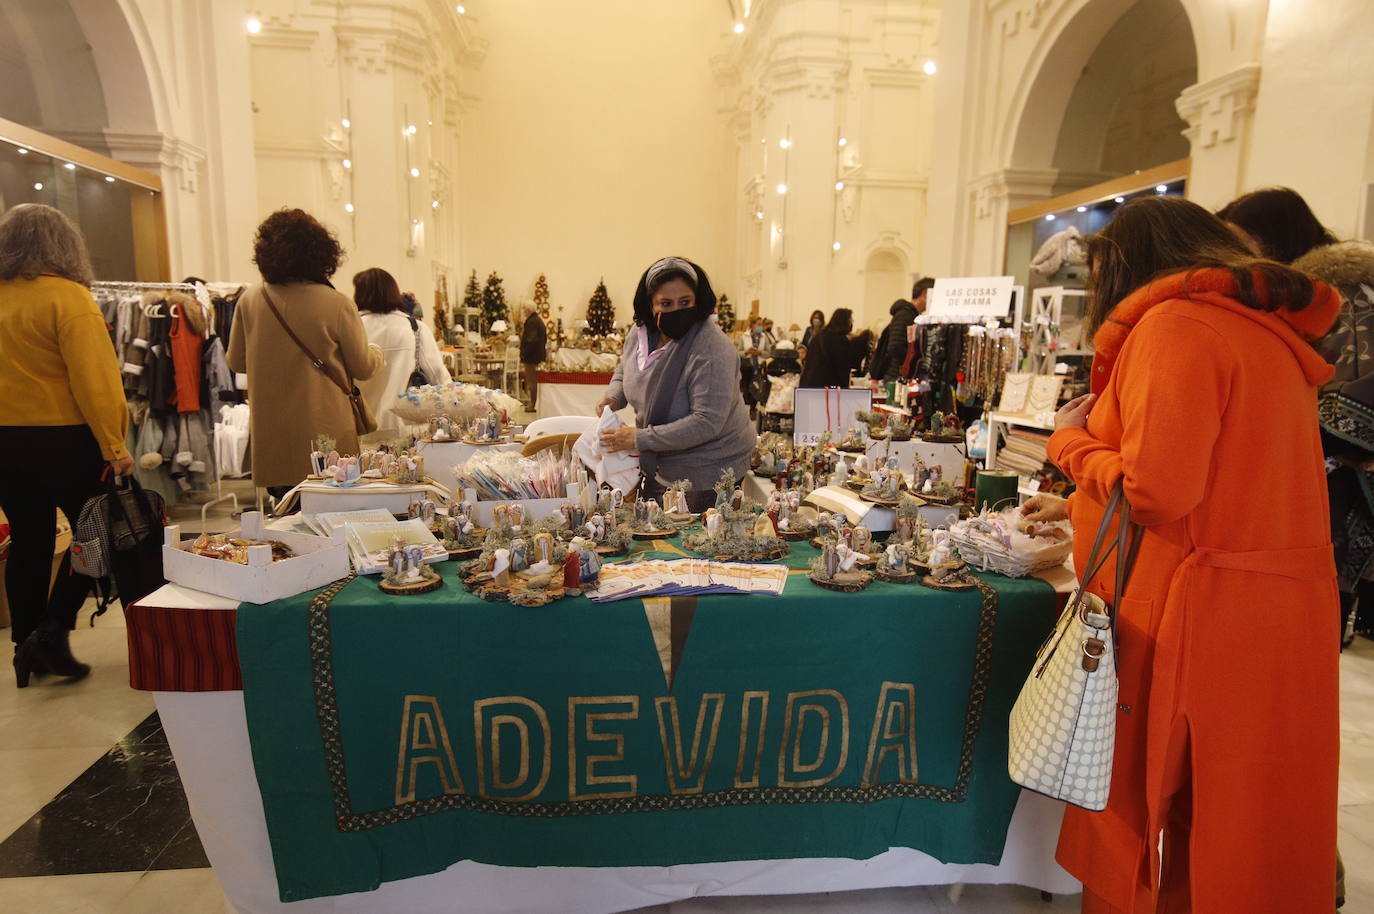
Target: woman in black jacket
(829, 358)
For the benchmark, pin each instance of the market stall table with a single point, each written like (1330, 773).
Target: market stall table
(571, 393)
(786, 754)
(443, 457)
(316, 497)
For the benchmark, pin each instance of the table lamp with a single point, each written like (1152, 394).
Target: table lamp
(499, 326)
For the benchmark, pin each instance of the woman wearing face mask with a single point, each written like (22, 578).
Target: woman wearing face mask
(681, 375)
(813, 329)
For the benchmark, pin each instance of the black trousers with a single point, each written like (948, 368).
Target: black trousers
(43, 468)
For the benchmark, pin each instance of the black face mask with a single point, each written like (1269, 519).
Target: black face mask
(675, 324)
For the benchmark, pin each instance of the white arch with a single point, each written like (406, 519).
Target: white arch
(136, 96)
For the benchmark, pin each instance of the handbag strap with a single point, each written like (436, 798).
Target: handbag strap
(350, 389)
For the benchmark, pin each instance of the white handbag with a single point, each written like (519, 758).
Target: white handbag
(1063, 725)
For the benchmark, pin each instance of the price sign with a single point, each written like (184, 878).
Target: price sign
(818, 410)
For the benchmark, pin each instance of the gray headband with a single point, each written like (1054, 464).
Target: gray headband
(666, 265)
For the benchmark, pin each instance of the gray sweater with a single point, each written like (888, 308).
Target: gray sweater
(708, 427)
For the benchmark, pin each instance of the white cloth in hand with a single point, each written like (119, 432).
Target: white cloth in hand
(619, 470)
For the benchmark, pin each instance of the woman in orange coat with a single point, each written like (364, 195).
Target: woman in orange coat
(1228, 725)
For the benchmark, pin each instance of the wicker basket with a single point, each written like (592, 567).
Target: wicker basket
(987, 554)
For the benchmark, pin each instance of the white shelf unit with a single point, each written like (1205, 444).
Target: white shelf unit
(996, 421)
(1045, 309)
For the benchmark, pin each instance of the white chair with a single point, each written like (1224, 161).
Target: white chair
(559, 425)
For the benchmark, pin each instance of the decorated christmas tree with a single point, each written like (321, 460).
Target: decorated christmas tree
(493, 303)
(472, 301)
(725, 313)
(600, 311)
(541, 296)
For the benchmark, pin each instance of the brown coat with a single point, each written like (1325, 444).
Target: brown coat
(1228, 716)
(291, 401)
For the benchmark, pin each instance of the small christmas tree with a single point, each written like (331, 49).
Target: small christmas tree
(600, 311)
(442, 323)
(541, 296)
(493, 303)
(472, 301)
(725, 313)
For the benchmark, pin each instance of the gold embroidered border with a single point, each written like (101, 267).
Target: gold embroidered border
(327, 712)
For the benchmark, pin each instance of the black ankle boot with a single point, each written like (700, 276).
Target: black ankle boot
(51, 651)
(26, 664)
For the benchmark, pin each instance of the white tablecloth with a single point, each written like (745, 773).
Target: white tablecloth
(208, 733)
(569, 399)
(443, 457)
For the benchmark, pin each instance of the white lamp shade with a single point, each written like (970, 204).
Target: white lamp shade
(499, 327)
(582, 324)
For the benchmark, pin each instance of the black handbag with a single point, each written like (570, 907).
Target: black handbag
(119, 536)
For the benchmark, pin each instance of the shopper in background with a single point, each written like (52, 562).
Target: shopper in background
(62, 424)
(813, 328)
(892, 351)
(534, 348)
(681, 374)
(406, 344)
(860, 351)
(755, 346)
(830, 357)
(1202, 399)
(293, 402)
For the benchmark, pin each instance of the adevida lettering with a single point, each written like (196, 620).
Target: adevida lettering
(512, 750)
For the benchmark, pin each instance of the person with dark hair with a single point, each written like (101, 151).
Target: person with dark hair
(681, 374)
(813, 328)
(1203, 387)
(860, 351)
(297, 397)
(830, 357)
(534, 348)
(412, 355)
(63, 421)
(891, 358)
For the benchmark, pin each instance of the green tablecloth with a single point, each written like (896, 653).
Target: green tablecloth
(393, 737)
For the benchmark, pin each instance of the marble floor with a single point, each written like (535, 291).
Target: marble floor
(93, 819)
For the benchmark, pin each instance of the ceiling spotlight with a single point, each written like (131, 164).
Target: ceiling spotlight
(1082, 209)
(348, 207)
(109, 180)
(758, 214)
(785, 143)
(410, 130)
(839, 185)
(23, 151)
(38, 185)
(843, 141)
(739, 28)
(461, 9)
(835, 246)
(347, 163)
(254, 26)
(1161, 188)
(414, 221)
(415, 172)
(429, 123)
(1050, 217)
(782, 188)
(929, 67)
(346, 123)
(71, 166)
(1120, 199)
(434, 203)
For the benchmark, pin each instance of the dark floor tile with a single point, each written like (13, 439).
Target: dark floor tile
(125, 813)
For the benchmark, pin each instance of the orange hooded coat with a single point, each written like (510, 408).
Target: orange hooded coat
(1227, 640)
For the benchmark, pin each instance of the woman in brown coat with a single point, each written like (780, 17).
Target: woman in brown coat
(1227, 734)
(292, 401)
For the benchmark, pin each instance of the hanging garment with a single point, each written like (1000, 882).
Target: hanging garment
(218, 379)
(186, 347)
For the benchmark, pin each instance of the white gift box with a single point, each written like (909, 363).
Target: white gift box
(318, 561)
(536, 509)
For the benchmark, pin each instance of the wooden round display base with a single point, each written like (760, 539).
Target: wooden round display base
(762, 475)
(884, 500)
(794, 536)
(857, 485)
(850, 449)
(909, 577)
(487, 442)
(942, 439)
(612, 550)
(845, 582)
(683, 519)
(653, 534)
(953, 582)
(430, 581)
(944, 500)
(439, 440)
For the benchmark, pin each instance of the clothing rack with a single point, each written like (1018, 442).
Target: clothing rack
(137, 286)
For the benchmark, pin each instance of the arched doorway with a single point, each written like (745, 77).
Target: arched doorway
(886, 279)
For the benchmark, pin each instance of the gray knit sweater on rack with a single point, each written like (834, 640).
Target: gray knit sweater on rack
(708, 427)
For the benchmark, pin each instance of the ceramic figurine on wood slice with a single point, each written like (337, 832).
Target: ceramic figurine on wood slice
(460, 536)
(517, 518)
(861, 475)
(648, 522)
(679, 512)
(944, 429)
(836, 568)
(406, 573)
(440, 429)
(852, 442)
(572, 567)
(895, 565)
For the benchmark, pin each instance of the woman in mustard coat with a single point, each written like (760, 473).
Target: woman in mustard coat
(1205, 386)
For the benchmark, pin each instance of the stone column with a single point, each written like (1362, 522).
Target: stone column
(1219, 112)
